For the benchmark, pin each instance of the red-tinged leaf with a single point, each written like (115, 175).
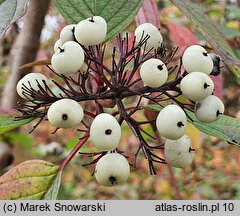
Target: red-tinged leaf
(218, 85)
(29, 180)
(148, 13)
(182, 36)
(7, 111)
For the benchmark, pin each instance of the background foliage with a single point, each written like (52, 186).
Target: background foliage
(215, 171)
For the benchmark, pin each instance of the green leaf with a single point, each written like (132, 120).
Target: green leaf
(11, 10)
(229, 33)
(235, 11)
(53, 191)
(19, 138)
(225, 128)
(118, 13)
(29, 180)
(8, 123)
(210, 31)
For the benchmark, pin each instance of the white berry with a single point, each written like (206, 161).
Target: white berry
(196, 58)
(196, 86)
(68, 59)
(57, 44)
(154, 73)
(171, 122)
(31, 80)
(67, 33)
(148, 29)
(65, 113)
(179, 153)
(91, 31)
(105, 132)
(112, 169)
(209, 110)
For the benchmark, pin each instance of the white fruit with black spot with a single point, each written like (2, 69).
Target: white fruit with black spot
(30, 81)
(154, 73)
(147, 29)
(67, 33)
(112, 169)
(209, 110)
(57, 44)
(105, 132)
(179, 153)
(65, 113)
(196, 86)
(91, 31)
(171, 122)
(68, 59)
(196, 58)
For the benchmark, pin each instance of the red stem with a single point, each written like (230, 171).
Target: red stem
(170, 170)
(74, 151)
(174, 182)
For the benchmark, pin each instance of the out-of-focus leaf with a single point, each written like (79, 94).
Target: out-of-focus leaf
(229, 33)
(211, 32)
(235, 11)
(237, 53)
(8, 123)
(182, 36)
(149, 13)
(218, 85)
(53, 191)
(19, 138)
(72, 143)
(36, 63)
(11, 10)
(225, 128)
(118, 13)
(29, 180)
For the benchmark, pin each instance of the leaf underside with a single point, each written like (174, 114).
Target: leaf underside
(225, 128)
(29, 180)
(11, 10)
(211, 32)
(53, 191)
(118, 13)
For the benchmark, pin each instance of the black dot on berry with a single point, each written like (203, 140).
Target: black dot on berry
(180, 124)
(64, 117)
(191, 149)
(218, 113)
(91, 19)
(206, 85)
(205, 54)
(112, 179)
(73, 29)
(160, 67)
(61, 50)
(108, 132)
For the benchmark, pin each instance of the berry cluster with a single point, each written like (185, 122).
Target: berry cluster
(79, 60)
